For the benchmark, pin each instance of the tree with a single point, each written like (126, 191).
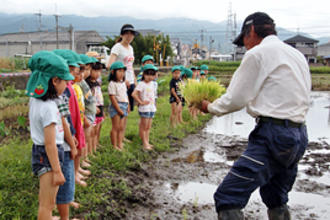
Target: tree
(143, 45)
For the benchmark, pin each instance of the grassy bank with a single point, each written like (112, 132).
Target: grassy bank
(112, 188)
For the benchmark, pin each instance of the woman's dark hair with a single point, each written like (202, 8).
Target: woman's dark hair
(51, 92)
(97, 66)
(113, 76)
(148, 72)
(119, 40)
(262, 30)
(90, 83)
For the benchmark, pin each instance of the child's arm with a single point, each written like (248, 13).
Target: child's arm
(115, 104)
(69, 138)
(52, 154)
(136, 96)
(178, 100)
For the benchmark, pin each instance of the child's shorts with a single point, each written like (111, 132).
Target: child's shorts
(122, 105)
(66, 191)
(173, 99)
(98, 120)
(147, 114)
(91, 118)
(40, 162)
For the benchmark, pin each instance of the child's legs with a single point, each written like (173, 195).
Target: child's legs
(47, 196)
(121, 131)
(114, 131)
(144, 127)
(99, 126)
(77, 161)
(94, 137)
(88, 135)
(63, 209)
(173, 117)
(149, 123)
(179, 112)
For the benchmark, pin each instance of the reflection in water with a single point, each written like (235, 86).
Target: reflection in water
(240, 123)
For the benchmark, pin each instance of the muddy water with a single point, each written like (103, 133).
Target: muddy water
(181, 183)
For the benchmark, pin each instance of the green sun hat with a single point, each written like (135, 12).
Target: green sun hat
(117, 65)
(204, 67)
(68, 55)
(147, 57)
(174, 68)
(212, 78)
(198, 68)
(95, 60)
(193, 68)
(77, 58)
(86, 59)
(150, 67)
(188, 73)
(202, 72)
(44, 66)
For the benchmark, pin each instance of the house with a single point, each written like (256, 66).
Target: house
(305, 45)
(327, 60)
(323, 49)
(32, 42)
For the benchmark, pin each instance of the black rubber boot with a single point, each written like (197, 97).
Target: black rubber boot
(230, 214)
(279, 213)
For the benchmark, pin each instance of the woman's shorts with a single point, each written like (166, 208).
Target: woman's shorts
(147, 114)
(91, 118)
(66, 191)
(122, 105)
(40, 161)
(173, 99)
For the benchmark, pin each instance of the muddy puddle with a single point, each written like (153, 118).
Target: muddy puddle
(181, 184)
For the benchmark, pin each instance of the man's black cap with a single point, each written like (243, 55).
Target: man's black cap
(128, 27)
(257, 18)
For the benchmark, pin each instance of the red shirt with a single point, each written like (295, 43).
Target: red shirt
(75, 115)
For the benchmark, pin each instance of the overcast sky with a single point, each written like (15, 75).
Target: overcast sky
(309, 16)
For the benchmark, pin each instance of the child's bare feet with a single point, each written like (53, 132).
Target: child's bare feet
(127, 141)
(85, 164)
(87, 160)
(75, 205)
(84, 172)
(81, 182)
(147, 147)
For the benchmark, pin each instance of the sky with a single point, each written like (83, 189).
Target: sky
(296, 15)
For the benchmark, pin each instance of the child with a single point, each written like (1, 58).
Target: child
(176, 99)
(145, 95)
(77, 118)
(48, 80)
(194, 70)
(147, 59)
(118, 110)
(205, 68)
(203, 75)
(93, 83)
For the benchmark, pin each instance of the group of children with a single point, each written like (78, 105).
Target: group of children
(66, 112)
(179, 75)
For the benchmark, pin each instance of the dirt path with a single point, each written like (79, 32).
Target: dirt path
(180, 184)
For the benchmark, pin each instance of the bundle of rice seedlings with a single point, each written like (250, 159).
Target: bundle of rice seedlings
(195, 92)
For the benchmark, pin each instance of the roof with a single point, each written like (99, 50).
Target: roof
(301, 39)
(326, 57)
(23, 37)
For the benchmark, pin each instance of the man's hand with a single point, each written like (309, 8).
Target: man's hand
(58, 178)
(204, 106)
(128, 85)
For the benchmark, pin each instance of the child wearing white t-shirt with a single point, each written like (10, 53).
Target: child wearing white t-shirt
(145, 95)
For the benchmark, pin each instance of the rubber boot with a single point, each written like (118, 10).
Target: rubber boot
(279, 213)
(230, 214)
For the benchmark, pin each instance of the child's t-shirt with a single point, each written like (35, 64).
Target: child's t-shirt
(125, 55)
(174, 83)
(81, 103)
(147, 93)
(119, 90)
(89, 99)
(42, 114)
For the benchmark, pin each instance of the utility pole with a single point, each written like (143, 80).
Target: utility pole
(39, 29)
(56, 20)
(71, 36)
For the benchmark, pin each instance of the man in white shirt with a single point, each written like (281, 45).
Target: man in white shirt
(273, 82)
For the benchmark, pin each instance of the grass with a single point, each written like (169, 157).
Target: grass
(109, 189)
(12, 64)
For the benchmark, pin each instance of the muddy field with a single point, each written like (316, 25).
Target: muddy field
(180, 184)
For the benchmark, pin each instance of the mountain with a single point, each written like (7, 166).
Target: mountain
(189, 31)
